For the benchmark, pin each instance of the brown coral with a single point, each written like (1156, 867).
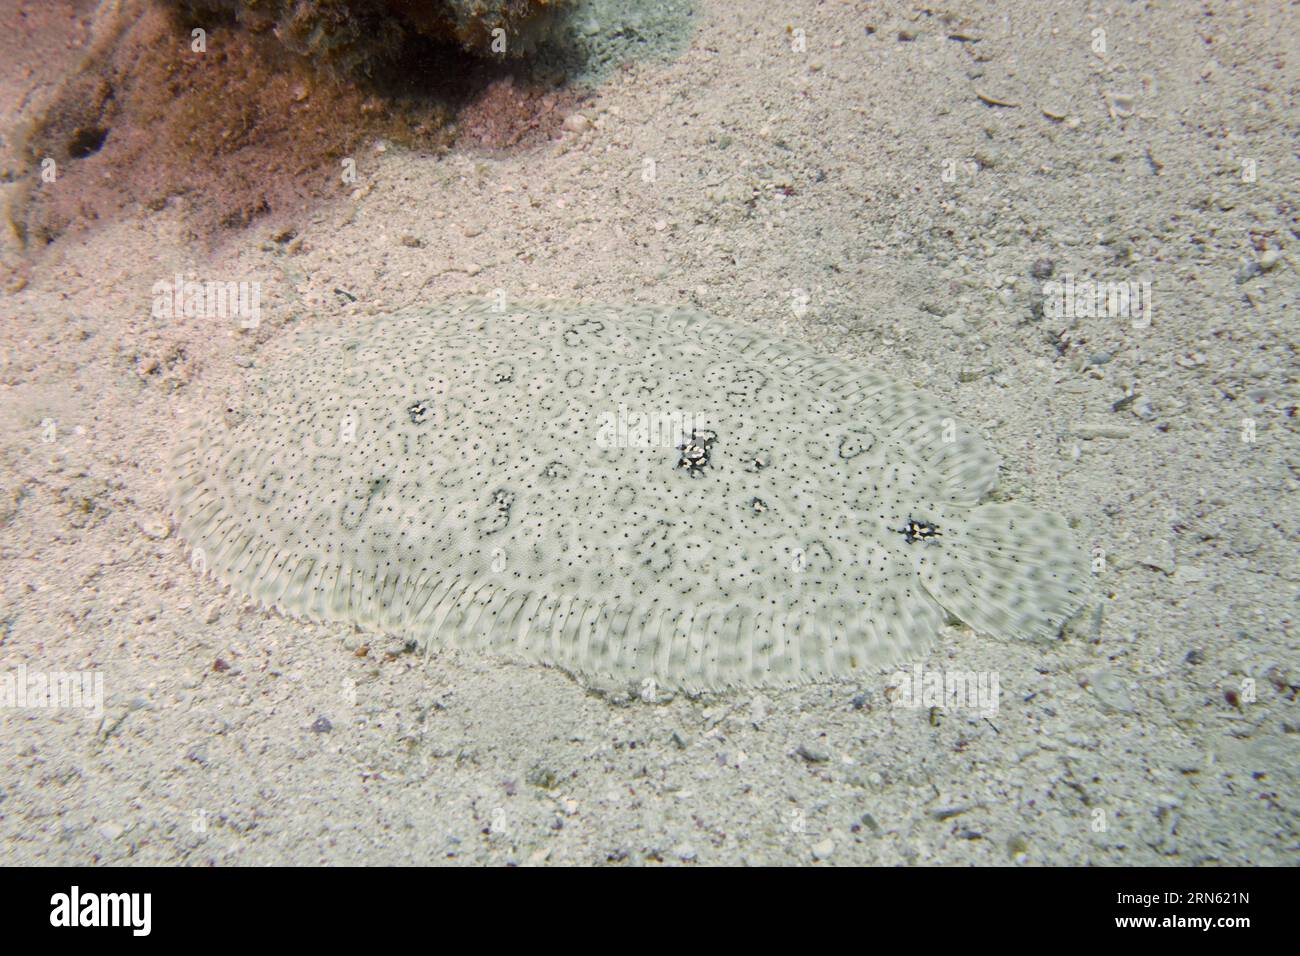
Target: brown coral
(254, 117)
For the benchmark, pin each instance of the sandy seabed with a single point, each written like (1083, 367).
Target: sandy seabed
(893, 186)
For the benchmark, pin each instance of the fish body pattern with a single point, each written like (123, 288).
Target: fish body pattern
(629, 493)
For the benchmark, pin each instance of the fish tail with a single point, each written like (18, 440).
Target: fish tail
(1008, 570)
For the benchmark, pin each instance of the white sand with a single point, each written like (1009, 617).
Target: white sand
(1111, 746)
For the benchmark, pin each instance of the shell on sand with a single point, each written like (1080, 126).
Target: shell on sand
(629, 493)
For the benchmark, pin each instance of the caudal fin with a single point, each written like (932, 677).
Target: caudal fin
(1007, 570)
